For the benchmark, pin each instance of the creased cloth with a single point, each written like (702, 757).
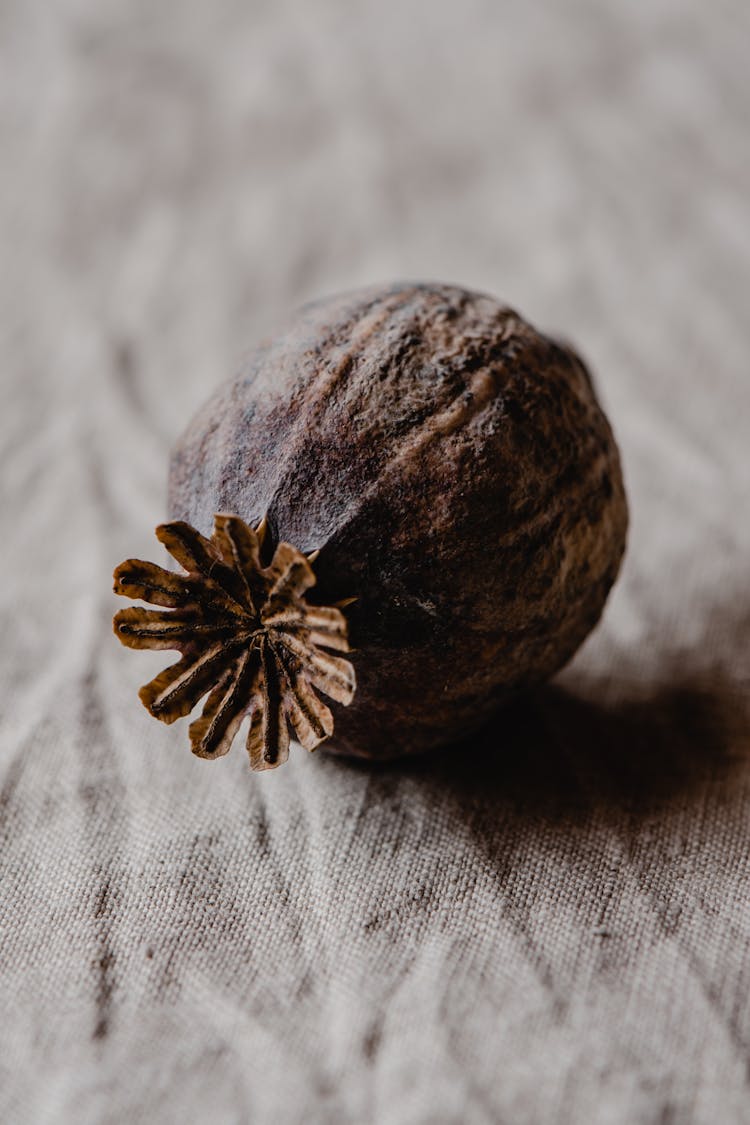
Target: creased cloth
(550, 923)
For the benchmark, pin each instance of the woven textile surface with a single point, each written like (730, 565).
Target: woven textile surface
(550, 923)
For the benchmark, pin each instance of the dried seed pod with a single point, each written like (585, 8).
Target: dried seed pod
(457, 476)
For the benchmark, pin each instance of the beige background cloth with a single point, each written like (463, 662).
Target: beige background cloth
(551, 924)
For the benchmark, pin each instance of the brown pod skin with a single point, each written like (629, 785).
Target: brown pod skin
(459, 478)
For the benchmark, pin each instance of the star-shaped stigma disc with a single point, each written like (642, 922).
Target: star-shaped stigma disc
(249, 640)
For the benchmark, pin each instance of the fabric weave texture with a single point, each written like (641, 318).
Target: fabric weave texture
(550, 923)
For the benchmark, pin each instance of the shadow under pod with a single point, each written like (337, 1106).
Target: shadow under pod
(560, 756)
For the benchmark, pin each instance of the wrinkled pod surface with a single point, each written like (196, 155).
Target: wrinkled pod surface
(458, 477)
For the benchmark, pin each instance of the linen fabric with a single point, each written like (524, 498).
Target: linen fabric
(549, 923)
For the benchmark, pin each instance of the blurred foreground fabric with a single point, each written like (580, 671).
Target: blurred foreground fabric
(550, 924)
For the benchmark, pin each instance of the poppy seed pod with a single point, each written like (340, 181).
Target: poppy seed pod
(452, 472)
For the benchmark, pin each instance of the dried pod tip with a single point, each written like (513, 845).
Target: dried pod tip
(248, 638)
